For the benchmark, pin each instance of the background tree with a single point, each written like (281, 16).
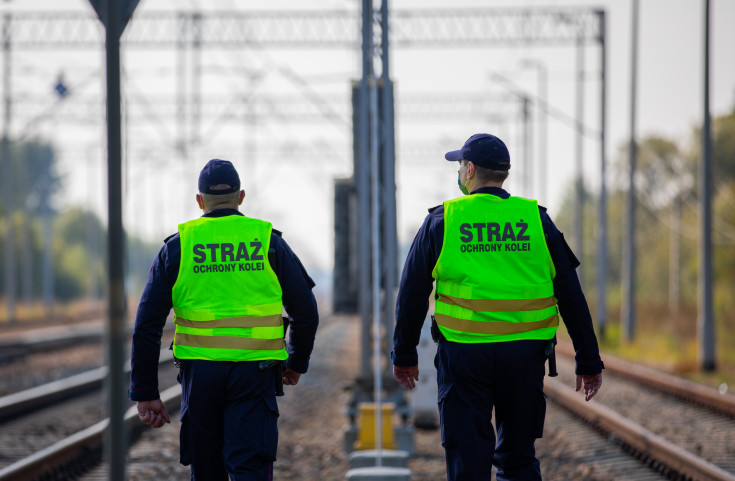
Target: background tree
(667, 235)
(63, 252)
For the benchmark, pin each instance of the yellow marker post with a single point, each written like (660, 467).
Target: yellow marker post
(366, 426)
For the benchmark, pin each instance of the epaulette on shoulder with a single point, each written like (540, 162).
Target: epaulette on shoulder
(432, 209)
(169, 237)
(541, 207)
(277, 232)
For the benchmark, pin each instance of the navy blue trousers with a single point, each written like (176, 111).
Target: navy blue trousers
(475, 378)
(229, 420)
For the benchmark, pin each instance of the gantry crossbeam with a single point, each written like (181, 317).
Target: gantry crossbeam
(334, 29)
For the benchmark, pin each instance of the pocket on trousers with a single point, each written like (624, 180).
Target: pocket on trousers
(184, 437)
(269, 447)
(447, 436)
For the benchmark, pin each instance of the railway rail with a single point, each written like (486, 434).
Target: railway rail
(682, 428)
(62, 459)
(30, 400)
(46, 427)
(17, 346)
(47, 339)
(40, 356)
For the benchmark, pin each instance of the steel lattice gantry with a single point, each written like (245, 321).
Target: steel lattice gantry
(336, 29)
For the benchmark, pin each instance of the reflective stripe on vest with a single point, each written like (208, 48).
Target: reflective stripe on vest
(227, 299)
(494, 273)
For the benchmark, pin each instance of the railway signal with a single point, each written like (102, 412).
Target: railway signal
(115, 15)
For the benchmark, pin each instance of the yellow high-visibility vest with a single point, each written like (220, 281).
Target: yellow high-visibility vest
(227, 299)
(494, 273)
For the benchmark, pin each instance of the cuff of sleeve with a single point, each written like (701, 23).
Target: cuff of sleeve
(404, 360)
(589, 368)
(143, 395)
(295, 365)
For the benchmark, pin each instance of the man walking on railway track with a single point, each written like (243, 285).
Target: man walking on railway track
(501, 268)
(228, 278)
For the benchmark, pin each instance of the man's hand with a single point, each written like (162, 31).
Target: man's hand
(406, 376)
(153, 413)
(290, 377)
(592, 384)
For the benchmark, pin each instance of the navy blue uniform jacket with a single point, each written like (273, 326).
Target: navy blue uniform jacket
(416, 285)
(155, 305)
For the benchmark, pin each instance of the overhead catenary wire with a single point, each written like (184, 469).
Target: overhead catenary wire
(149, 113)
(236, 109)
(300, 82)
(546, 107)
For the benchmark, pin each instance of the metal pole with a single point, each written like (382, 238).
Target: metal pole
(706, 313)
(389, 176)
(627, 310)
(47, 262)
(181, 79)
(675, 255)
(579, 153)
(48, 258)
(527, 157)
(375, 241)
(250, 134)
(543, 87)
(26, 270)
(542, 109)
(602, 215)
(376, 268)
(8, 177)
(181, 107)
(91, 231)
(116, 445)
(362, 185)
(196, 82)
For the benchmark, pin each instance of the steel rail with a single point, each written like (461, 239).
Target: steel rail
(66, 450)
(48, 339)
(653, 378)
(34, 398)
(640, 439)
(37, 341)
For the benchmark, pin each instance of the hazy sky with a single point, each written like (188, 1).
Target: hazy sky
(287, 167)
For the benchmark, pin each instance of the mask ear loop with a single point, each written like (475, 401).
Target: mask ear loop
(467, 179)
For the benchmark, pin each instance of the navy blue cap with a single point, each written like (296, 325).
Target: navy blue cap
(483, 150)
(218, 172)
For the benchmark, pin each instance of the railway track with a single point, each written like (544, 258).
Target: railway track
(45, 428)
(40, 356)
(43, 340)
(681, 428)
(15, 347)
(310, 416)
(681, 439)
(71, 456)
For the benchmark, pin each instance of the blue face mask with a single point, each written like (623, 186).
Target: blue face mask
(462, 188)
